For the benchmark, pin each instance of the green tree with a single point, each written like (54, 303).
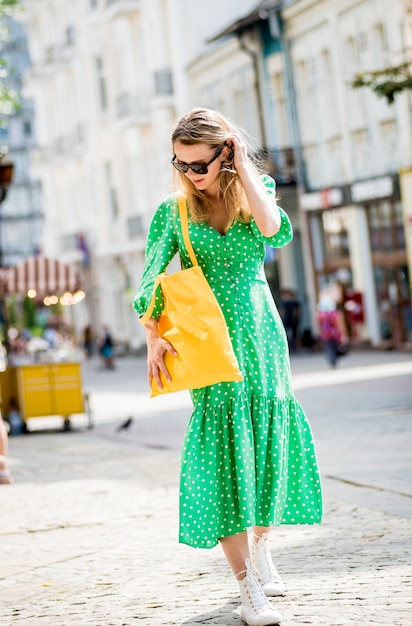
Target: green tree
(9, 100)
(390, 81)
(386, 83)
(7, 6)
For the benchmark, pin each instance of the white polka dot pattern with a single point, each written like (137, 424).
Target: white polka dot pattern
(248, 455)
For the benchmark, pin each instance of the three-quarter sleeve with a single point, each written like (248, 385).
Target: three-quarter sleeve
(285, 232)
(161, 247)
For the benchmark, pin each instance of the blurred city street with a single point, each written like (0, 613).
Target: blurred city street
(89, 528)
(108, 110)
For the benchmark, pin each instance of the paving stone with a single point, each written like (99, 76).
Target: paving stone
(89, 537)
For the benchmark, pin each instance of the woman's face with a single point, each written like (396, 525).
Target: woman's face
(196, 154)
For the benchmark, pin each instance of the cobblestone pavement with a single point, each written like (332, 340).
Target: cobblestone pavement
(89, 528)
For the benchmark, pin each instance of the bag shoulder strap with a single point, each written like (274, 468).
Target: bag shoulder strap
(146, 316)
(185, 228)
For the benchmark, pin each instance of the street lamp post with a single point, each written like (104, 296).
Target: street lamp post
(6, 178)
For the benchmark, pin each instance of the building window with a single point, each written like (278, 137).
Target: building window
(387, 233)
(101, 83)
(111, 190)
(27, 128)
(381, 42)
(336, 234)
(163, 80)
(135, 226)
(387, 240)
(281, 110)
(307, 100)
(70, 35)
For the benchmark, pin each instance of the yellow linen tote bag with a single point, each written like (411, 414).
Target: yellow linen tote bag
(193, 322)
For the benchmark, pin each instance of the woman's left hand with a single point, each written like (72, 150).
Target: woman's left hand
(239, 147)
(262, 205)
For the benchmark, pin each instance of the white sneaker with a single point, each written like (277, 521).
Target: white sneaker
(267, 573)
(256, 609)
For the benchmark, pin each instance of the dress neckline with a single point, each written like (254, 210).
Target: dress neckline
(217, 232)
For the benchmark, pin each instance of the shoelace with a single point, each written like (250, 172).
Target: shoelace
(258, 597)
(263, 560)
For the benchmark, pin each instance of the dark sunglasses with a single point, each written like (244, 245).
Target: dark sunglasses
(197, 168)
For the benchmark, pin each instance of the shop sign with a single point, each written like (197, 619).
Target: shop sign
(373, 189)
(323, 199)
(356, 193)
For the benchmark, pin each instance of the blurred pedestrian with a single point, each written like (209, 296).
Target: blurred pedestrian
(289, 311)
(50, 334)
(106, 349)
(88, 342)
(248, 460)
(332, 329)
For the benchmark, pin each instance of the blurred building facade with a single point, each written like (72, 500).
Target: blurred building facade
(243, 74)
(294, 62)
(105, 101)
(21, 213)
(357, 158)
(110, 77)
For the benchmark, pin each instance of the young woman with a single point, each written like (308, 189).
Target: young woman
(248, 460)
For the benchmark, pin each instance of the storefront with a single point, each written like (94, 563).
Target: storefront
(358, 249)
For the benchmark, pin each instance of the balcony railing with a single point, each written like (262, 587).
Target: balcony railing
(62, 143)
(68, 243)
(53, 54)
(129, 3)
(68, 142)
(282, 166)
(60, 53)
(130, 104)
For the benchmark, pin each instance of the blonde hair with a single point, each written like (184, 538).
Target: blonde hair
(213, 129)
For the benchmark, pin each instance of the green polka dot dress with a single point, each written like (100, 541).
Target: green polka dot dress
(248, 455)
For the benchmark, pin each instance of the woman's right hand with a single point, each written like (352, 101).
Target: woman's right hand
(156, 349)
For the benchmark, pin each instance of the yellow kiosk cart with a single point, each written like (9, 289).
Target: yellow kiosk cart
(46, 388)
